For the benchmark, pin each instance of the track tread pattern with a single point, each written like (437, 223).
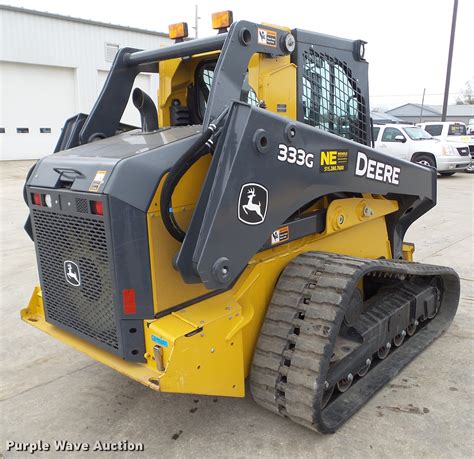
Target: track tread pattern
(303, 319)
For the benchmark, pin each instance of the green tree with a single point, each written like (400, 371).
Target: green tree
(467, 94)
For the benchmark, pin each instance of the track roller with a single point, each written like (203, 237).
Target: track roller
(365, 369)
(383, 352)
(411, 329)
(344, 383)
(398, 340)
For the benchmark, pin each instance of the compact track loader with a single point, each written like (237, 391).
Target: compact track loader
(246, 229)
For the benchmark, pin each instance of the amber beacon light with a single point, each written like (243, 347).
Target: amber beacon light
(179, 30)
(222, 19)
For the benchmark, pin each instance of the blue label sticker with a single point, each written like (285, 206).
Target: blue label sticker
(160, 341)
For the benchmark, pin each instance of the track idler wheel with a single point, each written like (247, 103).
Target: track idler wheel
(356, 306)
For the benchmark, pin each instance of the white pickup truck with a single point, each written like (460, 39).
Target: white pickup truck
(414, 144)
(452, 132)
(470, 127)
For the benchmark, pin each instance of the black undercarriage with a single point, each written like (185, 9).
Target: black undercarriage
(324, 352)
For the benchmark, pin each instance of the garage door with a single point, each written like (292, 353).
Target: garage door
(145, 81)
(35, 101)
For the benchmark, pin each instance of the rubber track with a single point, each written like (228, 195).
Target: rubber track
(292, 355)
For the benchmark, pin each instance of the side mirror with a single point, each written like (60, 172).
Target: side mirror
(400, 138)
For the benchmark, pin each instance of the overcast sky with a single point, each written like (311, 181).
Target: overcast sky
(407, 39)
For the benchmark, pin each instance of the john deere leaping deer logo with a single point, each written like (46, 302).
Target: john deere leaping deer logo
(72, 273)
(253, 203)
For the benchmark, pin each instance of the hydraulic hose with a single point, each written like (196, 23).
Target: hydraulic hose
(203, 144)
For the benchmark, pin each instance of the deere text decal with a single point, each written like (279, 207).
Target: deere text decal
(376, 170)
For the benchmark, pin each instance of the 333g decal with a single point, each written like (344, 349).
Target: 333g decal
(293, 155)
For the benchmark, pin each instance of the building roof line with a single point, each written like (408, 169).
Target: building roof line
(432, 110)
(80, 20)
(426, 108)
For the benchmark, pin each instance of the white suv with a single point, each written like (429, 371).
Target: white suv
(452, 132)
(414, 144)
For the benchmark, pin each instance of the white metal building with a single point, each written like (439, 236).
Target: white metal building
(52, 67)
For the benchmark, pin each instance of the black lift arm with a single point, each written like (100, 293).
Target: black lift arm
(264, 169)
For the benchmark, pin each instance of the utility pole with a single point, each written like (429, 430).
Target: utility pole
(450, 59)
(196, 19)
(422, 103)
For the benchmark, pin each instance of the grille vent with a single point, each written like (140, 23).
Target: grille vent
(86, 310)
(82, 206)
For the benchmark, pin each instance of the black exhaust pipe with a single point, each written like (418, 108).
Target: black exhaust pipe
(147, 109)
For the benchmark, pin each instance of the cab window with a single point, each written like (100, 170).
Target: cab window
(457, 129)
(331, 97)
(376, 131)
(390, 133)
(204, 78)
(434, 129)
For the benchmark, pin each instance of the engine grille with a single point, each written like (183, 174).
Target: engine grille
(88, 309)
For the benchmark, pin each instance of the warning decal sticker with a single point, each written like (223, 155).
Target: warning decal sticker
(280, 235)
(98, 181)
(267, 37)
(333, 160)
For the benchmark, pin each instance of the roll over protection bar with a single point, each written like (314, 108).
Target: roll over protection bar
(238, 45)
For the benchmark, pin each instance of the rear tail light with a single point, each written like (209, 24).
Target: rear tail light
(129, 302)
(36, 198)
(97, 207)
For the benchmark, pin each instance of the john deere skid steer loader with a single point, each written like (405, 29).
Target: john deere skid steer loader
(246, 229)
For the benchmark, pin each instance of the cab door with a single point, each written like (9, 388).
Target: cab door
(394, 143)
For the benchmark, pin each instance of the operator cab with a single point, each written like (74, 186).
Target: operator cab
(198, 92)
